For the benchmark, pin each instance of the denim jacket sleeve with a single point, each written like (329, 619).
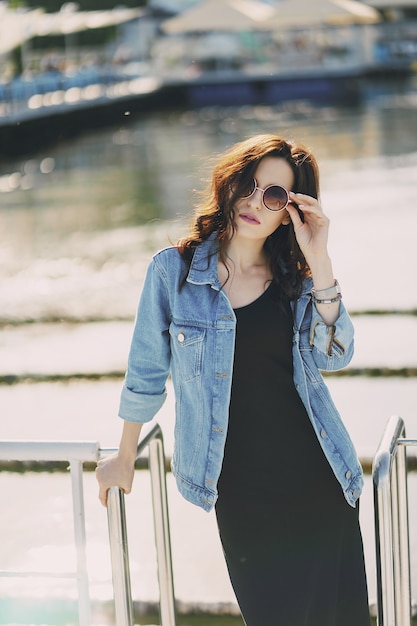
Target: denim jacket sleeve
(149, 360)
(332, 345)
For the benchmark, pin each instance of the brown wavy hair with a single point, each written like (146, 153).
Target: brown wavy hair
(215, 213)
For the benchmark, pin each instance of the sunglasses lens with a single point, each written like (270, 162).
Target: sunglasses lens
(276, 198)
(248, 189)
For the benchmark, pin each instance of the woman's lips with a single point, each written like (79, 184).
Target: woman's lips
(249, 218)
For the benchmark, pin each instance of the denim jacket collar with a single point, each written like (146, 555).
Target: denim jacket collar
(203, 269)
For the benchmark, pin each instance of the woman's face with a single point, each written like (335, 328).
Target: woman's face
(252, 219)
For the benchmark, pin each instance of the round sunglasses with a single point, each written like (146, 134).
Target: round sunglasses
(274, 197)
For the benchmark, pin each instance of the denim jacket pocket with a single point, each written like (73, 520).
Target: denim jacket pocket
(187, 346)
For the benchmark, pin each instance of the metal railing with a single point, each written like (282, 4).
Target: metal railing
(391, 526)
(77, 453)
(119, 542)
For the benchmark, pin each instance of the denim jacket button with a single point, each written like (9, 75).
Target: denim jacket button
(323, 433)
(181, 337)
(348, 474)
(355, 493)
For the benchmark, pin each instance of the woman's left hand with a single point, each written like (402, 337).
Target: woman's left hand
(312, 234)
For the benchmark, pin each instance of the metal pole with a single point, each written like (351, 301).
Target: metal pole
(84, 608)
(395, 539)
(391, 528)
(116, 516)
(119, 542)
(162, 532)
(404, 599)
(384, 552)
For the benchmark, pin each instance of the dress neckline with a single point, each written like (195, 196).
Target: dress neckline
(245, 306)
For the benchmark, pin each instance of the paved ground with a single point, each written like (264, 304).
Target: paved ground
(37, 529)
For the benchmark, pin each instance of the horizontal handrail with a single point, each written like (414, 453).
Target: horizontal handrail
(16, 450)
(407, 442)
(74, 453)
(386, 450)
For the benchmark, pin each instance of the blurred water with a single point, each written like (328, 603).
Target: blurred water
(78, 224)
(83, 218)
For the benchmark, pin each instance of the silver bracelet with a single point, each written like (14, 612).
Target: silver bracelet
(330, 292)
(327, 300)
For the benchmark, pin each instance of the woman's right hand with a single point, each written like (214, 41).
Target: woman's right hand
(114, 471)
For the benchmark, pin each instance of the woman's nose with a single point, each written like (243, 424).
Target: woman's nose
(255, 200)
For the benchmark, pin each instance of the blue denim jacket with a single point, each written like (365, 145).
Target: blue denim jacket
(185, 326)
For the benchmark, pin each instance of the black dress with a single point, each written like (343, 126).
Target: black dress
(292, 543)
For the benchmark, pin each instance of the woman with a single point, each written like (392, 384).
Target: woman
(244, 312)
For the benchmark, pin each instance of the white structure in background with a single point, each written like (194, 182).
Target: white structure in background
(259, 38)
(17, 27)
(178, 6)
(171, 6)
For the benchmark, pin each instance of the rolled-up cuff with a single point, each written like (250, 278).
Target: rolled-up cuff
(335, 340)
(139, 407)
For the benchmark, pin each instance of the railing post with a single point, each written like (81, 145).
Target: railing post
(384, 556)
(162, 532)
(119, 541)
(391, 527)
(84, 607)
(404, 597)
(116, 515)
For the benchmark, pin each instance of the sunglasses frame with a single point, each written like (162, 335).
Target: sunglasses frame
(263, 196)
